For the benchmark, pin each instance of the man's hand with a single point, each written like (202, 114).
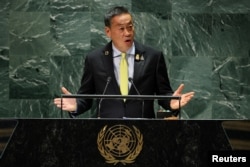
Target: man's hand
(67, 104)
(185, 98)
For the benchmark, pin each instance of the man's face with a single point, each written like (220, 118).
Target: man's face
(121, 32)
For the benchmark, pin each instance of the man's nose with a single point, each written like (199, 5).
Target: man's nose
(127, 31)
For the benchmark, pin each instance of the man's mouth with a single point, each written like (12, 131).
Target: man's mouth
(128, 40)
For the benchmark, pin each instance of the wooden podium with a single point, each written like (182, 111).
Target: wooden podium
(113, 142)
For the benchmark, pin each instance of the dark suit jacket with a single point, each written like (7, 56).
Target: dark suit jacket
(150, 78)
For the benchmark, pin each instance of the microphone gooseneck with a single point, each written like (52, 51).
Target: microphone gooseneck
(137, 91)
(104, 92)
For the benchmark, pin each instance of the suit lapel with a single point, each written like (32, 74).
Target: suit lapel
(139, 62)
(107, 59)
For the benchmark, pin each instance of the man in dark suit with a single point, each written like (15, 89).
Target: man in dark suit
(145, 69)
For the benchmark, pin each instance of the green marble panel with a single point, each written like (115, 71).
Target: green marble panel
(191, 34)
(242, 66)
(206, 45)
(157, 36)
(231, 45)
(4, 6)
(4, 57)
(65, 71)
(71, 30)
(30, 46)
(4, 28)
(103, 5)
(29, 36)
(231, 81)
(231, 6)
(225, 109)
(192, 6)
(30, 80)
(70, 5)
(4, 75)
(30, 5)
(30, 108)
(231, 35)
(4, 108)
(161, 8)
(226, 79)
(195, 74)
(198, 108)
(98, 36)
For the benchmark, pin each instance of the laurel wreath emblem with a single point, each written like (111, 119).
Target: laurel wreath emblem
(110, 158)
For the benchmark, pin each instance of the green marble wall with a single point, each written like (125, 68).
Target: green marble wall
(206, 45)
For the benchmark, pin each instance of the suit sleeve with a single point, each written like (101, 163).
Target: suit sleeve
(87, 87)
(163, 84)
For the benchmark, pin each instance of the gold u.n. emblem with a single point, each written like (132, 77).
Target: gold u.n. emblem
(120, 143)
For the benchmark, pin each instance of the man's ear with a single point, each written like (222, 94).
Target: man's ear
(107, 31)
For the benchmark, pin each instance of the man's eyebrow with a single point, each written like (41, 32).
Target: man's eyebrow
(125, 24)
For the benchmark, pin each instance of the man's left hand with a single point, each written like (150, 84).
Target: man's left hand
(185, 98)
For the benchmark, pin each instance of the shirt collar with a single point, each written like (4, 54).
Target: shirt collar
(130, 51)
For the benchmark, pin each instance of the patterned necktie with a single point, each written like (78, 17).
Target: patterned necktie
(124, 75)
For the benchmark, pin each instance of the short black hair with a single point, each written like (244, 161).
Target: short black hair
(115, 11)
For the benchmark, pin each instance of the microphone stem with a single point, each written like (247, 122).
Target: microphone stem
(104, 92)
(132, 83)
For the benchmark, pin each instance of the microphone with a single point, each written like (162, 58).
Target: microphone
(104, 91)
(132, 83)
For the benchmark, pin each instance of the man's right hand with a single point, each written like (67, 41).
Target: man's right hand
(67, 104)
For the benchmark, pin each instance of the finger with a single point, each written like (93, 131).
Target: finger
(179, 90)
(189, 94)
(57, 101)
(58, 105)
(65, 91)
(186, 97)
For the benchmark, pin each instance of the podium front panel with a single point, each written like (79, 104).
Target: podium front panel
(115, 142)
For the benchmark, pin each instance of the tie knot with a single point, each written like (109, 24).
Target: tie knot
(123, 55)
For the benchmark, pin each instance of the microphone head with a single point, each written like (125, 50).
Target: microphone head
(130, 79)
(109, 79)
